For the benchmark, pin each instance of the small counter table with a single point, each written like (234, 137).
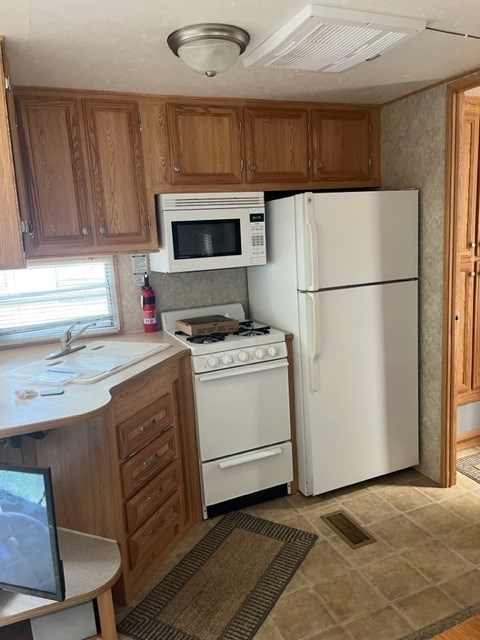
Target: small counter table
(91, 566)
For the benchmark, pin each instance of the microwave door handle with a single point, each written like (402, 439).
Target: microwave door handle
(312, 233)
(313, 341)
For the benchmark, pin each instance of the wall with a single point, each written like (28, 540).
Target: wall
(180, 290)
(413, 156)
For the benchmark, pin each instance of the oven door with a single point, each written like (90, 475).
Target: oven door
(242, 408)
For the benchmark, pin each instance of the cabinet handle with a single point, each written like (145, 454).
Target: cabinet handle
(151, 460)
(85, 231)
(473, 245)
(166, 429)
(153, 531)
(155, 495)
(102, 230)
(319, 165)
(148, 426)
(457, 318)
(473, 274)
(176, 168)
(242, 165)
(253, 167)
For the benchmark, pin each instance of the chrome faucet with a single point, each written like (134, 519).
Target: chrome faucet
(68, 338)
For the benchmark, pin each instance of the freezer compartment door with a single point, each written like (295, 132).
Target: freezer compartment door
(345, 239)
(361, 404)
(246, 473)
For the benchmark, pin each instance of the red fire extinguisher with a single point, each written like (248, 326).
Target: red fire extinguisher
(147, 301)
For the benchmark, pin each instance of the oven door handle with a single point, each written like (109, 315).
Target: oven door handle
(240, 371)
(250, 457)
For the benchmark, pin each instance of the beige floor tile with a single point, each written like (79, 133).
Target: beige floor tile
(194, 536)
(301, 614)
(323, 562)
(465, 588)
(400, 533)
(299, 501)
(426, 607)
(436, 561)
(336, 633)
(466, 482)
(467, 506)
(298, 581)
(268, 631)
(349, 596)
(384, 624)
(300, 521)
(275, 510)
(437, 520)
(391, 478)
(315, 518)
(466, 542)
(394, 577)
(402, 497)
(435, 492)
(369, 508)
(354, 490)
(379, 549)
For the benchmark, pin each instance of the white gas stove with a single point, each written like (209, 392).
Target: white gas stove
(242, 405)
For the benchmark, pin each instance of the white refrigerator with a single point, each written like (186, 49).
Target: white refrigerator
(342, 276)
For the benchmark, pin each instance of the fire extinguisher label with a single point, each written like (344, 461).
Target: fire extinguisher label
(150, 320)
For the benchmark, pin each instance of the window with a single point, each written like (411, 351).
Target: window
(44, 299)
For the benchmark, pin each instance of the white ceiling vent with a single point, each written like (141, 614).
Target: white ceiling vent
(330, 39)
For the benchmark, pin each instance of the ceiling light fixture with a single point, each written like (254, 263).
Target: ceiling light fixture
(209, 48)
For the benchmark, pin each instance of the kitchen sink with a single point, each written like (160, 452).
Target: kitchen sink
(97, 361)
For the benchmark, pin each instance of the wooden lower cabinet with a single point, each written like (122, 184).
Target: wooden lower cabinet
(131, 472)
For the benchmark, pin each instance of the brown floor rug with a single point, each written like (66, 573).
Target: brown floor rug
(226, 586)
(470, 466)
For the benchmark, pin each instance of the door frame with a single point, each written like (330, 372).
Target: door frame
(454, 123)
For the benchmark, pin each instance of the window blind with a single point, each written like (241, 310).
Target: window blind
(44, 299)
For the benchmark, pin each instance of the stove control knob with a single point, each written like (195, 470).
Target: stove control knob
(243, 356)
(226, 359)
(260, 353)
(212, 362)
(272, 351)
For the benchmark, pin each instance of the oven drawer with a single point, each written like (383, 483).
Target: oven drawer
(246, 473)
(144, 465)
(242, 408)
(135, 433)
(146, 501)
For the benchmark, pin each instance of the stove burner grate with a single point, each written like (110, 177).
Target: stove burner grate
(207, 339)
(247, 329)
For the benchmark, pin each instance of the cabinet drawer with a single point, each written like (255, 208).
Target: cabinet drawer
(155, 531)
(147, 463)
(135, 433)
(146, 502)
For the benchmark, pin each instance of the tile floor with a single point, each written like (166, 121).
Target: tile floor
(424, 566)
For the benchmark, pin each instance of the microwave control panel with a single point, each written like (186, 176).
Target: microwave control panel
(257, 235)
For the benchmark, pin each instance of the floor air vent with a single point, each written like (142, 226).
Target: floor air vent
(348, 529)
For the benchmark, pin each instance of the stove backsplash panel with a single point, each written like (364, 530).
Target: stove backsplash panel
(180, 290)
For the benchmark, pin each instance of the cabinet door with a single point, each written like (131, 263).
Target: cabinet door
(475, 340)
(55, 172)
(276, 145)
(11, 246)
(464, 328)
(116, 173)
(341, 145)
(205, 144)
(468, 179)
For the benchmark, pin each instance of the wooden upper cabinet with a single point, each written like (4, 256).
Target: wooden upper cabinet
(467, 232)
(341, 144)
(205, 144)
(464, 320)
(55, 171)
(277, 147)
(11, 246)
(116, 173)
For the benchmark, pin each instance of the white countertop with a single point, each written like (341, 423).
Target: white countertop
(19, 416)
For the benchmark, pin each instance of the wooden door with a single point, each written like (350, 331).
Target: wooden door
(11, 245)
(205, 144)
(277, 148)
(341, 144)
(117, 175)
(475, 329)
(55, 172)
(464, 323)
(468, 178)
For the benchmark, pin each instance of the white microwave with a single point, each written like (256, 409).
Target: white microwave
(199, 231)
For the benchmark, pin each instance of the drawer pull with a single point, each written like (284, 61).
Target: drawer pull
(166, 429)
(155, 495)
(148, 426)
(251, 457)
(152, 460)
(154, 531)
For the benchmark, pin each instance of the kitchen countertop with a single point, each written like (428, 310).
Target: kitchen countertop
(19, 416)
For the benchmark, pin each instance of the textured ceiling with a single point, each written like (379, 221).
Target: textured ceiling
(120, 45)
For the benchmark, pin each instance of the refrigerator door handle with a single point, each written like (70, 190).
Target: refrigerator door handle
(313, 237)
(313, 344)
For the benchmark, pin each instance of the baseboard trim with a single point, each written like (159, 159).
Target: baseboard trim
(468, 440)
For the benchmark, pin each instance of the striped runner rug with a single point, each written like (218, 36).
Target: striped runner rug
(226, 586)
